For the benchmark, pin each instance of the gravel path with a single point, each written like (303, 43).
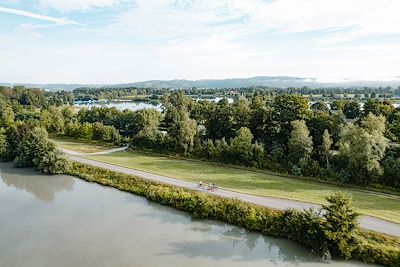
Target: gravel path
(366, 222)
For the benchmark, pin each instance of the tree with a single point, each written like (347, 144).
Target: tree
(300, 142)
(320, 106)
(241, 147)
(338, 105)
(182, 131)
(53, 120)
(241, 113)
(262, 123)
(288, 108)
(3, 145)
(340, 225)
(364, 146)
(352, 109)
(220, 123)
(326, 146)
(377, 107)
(201, 111)
(86, 131)
(7, 117)
(37, 150)
(147, 120)
(391, 170)
(33, 144)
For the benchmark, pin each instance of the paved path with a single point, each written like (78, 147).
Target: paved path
(366, 222)
(74, 153)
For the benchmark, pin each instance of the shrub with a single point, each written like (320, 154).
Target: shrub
(53, 162)
(37, 150)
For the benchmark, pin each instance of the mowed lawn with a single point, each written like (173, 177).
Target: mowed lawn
(375, 204)
(80, 147)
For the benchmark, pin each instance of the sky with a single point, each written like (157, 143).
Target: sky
(121, 41)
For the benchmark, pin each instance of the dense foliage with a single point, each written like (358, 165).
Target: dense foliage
(23, 137)
(332, 231)
(340, 142)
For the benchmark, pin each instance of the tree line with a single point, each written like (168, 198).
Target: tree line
(340, 142)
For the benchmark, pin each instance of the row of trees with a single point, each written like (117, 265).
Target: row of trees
(284, 133)
(280, 133)
(119, 93)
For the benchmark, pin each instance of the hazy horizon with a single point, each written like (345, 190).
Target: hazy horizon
(125, 41)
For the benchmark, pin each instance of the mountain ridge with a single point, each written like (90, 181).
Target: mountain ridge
(268, 81)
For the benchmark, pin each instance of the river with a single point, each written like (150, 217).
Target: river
(64, 221)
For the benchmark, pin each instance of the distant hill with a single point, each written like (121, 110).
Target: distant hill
(280, 81)
(53, 86)
(270, 81)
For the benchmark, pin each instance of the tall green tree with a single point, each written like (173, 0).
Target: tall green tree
(241, 147)
(300, 143)
(326, 146)
(340, 225)
(241, 113)
(7, 117)
(3, 145)
(182, 131)
(288, 108)
(364, 146)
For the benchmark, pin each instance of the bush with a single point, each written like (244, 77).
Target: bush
(53, 162)
(36, 150)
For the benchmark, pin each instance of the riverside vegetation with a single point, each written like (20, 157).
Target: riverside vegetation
(282, 133)
(332, 231)
(264, 131)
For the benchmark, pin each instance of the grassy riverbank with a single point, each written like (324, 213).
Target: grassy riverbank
(299, 226)
(380, 205)
(383, 206)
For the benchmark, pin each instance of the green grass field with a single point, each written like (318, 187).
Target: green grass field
(80, 147)
(380, 205)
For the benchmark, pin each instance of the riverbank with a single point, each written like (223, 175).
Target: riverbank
(366, 222)
(371, 247)
(243, 180)
(380, 205)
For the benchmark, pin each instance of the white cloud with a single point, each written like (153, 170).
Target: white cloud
(355, 18)
(382, 47)
(166, 39)
(71, 5)
(23, 13)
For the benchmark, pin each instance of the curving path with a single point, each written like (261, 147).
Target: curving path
(366, 222)
(74, 153)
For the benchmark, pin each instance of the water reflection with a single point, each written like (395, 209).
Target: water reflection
(244, 246)
(100, 226)
(42, 186)
(130, 105)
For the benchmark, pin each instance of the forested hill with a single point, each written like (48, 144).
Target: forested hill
(279, 81)
(269, 81)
